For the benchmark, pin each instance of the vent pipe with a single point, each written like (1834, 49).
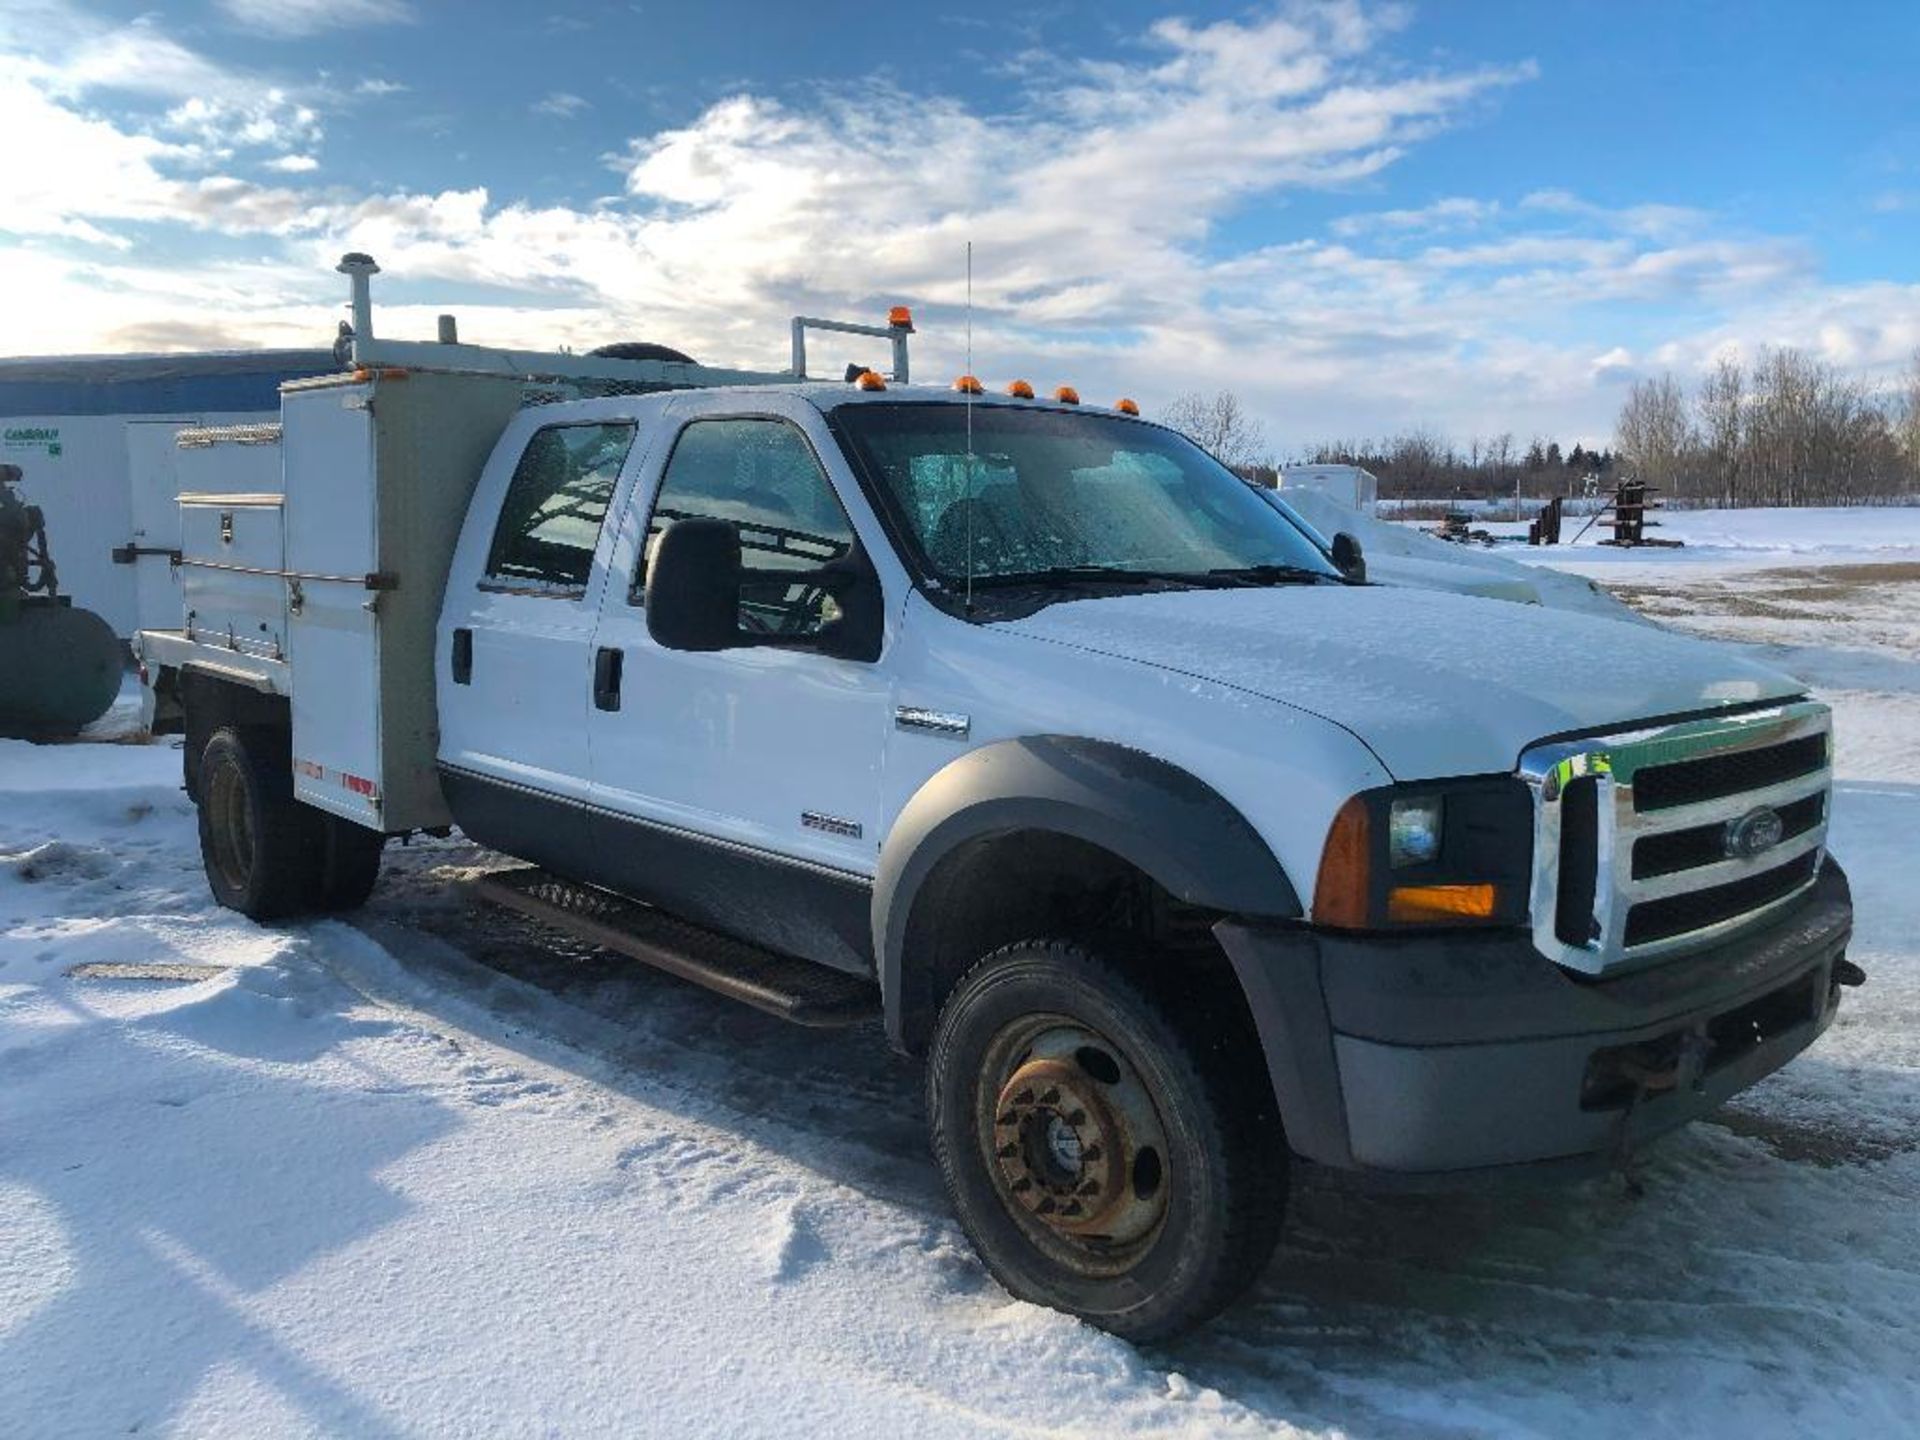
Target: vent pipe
(360, 270)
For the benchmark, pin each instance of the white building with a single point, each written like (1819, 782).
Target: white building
(93, 435)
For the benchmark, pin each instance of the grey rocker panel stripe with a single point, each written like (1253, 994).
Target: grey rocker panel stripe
(793, 906)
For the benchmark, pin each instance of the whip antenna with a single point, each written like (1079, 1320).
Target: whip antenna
(968, 494)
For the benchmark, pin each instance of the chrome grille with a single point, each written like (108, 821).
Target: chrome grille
(1636, 857)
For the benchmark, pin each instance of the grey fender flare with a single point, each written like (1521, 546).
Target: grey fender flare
(1159, 818)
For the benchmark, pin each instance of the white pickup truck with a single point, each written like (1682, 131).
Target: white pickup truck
(1185, 857)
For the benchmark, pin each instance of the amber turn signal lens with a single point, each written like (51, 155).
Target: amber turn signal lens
(900, 317)
(1126, 406)
(1067, 395)
(871, 380)
(1439, 904)
(968, 385)
(1020, 390)
(1340, 892)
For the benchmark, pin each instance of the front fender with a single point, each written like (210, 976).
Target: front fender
(1159, 818)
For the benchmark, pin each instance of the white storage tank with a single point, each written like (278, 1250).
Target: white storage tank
(1350, 485)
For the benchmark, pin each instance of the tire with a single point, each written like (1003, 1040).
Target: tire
(1050, 1064)
(256, 840)
(640, 350)
(349, 861)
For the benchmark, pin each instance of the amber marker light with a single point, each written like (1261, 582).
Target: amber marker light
(1440, 904)
(1020, 390)
(1067, 395)
(871, 380)
(900, 317)
(1126, 406)
(969, 385)
(1340, 891)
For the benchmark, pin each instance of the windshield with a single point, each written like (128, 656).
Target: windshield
(1038, 495)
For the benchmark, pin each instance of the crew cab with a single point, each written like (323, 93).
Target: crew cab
(1185, 857)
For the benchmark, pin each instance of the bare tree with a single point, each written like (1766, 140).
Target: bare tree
(1219, 425)
(1653, 433)
(1906, 419)
(1722, 429)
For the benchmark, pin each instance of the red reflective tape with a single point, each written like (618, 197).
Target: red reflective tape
(357, 785)
(310, 770)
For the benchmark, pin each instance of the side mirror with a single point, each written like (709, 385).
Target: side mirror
(856, 632)
(1349, 559)
(693, 586)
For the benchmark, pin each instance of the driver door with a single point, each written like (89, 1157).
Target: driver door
(743, 784)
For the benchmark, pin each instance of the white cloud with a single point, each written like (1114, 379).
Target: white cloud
(78, 60)
(269, 120)
(1107, 208)
(561, 105)
(1456, 212)
(373, 85)
(292, 19)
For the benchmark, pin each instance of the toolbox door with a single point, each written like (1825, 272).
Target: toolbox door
(333, 599)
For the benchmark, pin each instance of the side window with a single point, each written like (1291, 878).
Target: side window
(762, 477)
(556, 502)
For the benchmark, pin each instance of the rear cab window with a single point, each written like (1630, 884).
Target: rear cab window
(555, 507)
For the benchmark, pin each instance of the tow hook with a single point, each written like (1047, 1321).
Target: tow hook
(1846, 973)
(1683, 1071)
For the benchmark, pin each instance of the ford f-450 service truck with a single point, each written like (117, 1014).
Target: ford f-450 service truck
(1183, 856)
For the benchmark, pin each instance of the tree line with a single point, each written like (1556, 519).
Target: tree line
(1790, 430)
(1419, 464)
(1415, 463)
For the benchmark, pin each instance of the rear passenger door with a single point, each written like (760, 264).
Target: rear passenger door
(514, 662)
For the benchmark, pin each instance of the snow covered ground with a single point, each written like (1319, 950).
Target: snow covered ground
(431, 1174)
(1731, 539)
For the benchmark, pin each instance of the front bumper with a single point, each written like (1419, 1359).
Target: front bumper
(1439, 1054)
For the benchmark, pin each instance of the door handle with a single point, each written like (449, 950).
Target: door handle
(463, 656)
(606, 678)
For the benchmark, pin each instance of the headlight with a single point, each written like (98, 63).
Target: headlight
(1454, 853)
(1413, 831)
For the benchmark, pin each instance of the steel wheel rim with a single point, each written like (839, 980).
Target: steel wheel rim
(232, 827)
(1073, 1143)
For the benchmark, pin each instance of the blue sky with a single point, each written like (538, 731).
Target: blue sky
(1474, 217)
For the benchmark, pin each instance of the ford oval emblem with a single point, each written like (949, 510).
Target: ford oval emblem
(1754, 833)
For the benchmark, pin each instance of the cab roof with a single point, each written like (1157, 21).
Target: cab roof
(832, 395)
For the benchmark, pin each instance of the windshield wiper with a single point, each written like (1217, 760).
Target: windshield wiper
(1273, 574)
(1059, 576)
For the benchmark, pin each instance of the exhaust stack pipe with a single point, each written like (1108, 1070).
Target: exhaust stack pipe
(360, 270)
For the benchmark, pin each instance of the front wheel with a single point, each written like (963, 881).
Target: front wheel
(1095, 1150)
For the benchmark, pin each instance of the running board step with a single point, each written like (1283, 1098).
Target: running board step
(795, 990)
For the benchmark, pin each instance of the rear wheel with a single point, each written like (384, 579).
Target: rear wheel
(1096, 1154)
(256, 840)
(349, 861)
